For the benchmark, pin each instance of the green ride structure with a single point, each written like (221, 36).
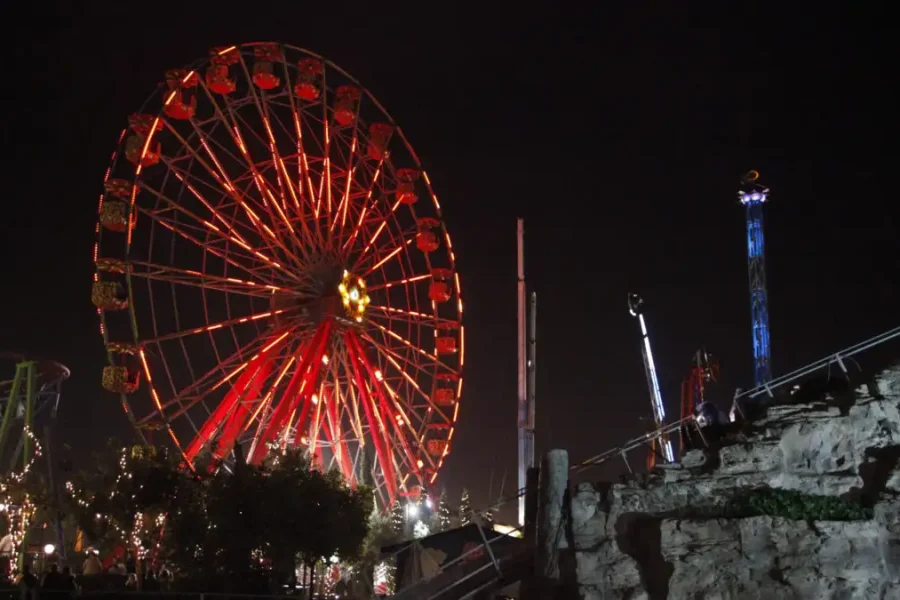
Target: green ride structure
(30, 391)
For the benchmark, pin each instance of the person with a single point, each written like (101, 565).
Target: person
(91, 571)
(151, 583)
(67, 585)
(28, 584)
(51, 578)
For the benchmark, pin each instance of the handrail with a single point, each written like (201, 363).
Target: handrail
(837, 357)
(483, 546)
(633, 443)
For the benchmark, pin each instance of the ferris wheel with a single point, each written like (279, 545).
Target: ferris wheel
(272, 271)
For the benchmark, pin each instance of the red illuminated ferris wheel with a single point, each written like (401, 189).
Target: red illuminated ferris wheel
(273, 271)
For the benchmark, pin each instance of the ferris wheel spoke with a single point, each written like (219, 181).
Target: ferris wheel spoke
(222, 254)
(410, 345)
(213, 326)
(382, 223)
(394, 252)
(265, 192)
(211, 229)
(256, 270)
(392, 358)
(265, 231)
(404, 281)
(303, 176)
(229, 189)
(348, 245)
(349, 171)
(190, 395)
(230, 285)
(409, 316)
(273, 145)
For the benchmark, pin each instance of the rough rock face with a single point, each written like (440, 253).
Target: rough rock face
(666, 537)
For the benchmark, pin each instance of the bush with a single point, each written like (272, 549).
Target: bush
(797, 505)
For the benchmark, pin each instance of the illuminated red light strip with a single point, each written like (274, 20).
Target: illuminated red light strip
(390, 284)
(365, 206)
(406, 342)
(214, 326)
(379, 230)
(391, 255)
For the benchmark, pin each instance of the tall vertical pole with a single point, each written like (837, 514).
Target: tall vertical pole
(532, 370)
(525, 413)
(753, 196)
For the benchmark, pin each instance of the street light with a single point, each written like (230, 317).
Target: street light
(49, 549)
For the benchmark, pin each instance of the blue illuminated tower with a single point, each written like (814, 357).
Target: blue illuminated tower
(753, 195)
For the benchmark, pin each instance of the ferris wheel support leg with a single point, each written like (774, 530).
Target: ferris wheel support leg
(238, 417)
(290, 398)
(390, 415)
(224, 408)
(340, 446)
(309, 384)
(387, 468)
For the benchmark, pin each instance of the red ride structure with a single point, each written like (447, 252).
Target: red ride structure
(273, 270)
(704, 372)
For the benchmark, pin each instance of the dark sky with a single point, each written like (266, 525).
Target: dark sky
(619, 137)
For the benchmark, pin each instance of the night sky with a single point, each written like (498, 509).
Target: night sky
(620, 138)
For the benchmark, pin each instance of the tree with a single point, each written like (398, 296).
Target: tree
(369, 566)
(398, 519)
(311, 515)
(123, 501)
(420, 530)
(442, 521)
(465, 508)
(487, 517)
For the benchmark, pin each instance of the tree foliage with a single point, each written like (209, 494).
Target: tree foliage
(791, 504)
(465, 508)
(216, 526)
(443, 513)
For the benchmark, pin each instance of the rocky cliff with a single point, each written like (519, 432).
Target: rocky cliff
(802, 502)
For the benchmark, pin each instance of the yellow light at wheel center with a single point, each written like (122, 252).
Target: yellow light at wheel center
(354, 296)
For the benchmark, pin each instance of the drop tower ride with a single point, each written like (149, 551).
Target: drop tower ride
(753, 196)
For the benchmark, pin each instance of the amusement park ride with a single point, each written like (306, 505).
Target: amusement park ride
(272, 270)
(29, 400)
(660, 444)
(29, 397)
(705, 368)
